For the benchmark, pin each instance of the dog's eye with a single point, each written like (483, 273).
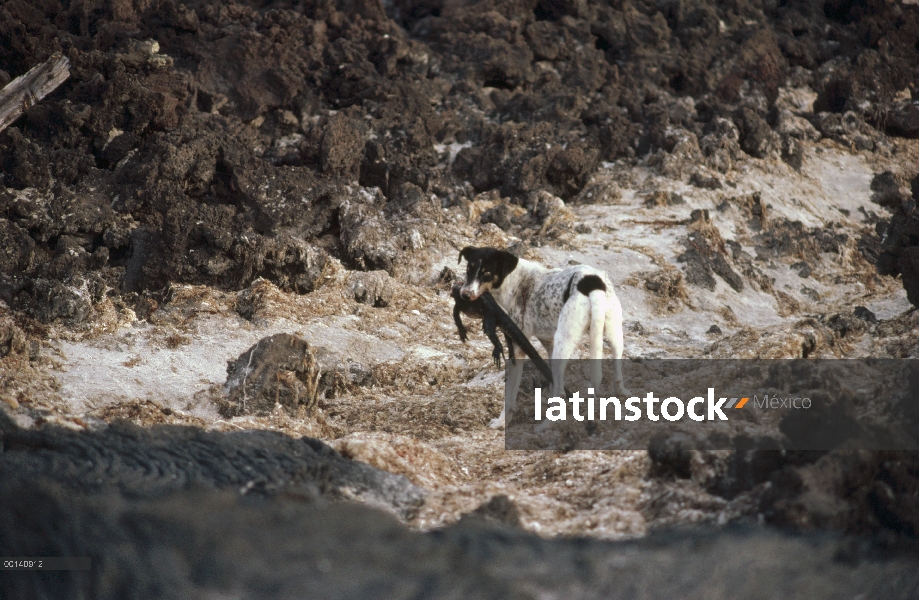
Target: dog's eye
(486, 274)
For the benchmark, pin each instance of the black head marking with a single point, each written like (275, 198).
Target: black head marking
(488, 266)
(506, 262)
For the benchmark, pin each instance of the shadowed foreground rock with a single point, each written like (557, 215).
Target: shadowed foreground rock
(140, 462)
(827, 467)
(175, 512)
(217, 544)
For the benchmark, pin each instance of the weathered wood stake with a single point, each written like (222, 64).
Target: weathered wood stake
(27, 90)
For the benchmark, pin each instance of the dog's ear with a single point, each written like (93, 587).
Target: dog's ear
(464, 253)
(507, 262)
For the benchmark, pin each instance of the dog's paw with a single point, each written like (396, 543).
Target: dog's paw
(497, 423)
(623, 391)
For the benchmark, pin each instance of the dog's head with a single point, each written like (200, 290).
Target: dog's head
(486, 269)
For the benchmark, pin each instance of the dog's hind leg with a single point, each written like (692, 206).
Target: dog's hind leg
(598, 306)
(614, 335)
(572, 322)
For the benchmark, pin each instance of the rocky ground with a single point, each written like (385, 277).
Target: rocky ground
(215, 173)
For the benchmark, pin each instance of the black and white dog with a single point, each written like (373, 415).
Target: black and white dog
(557, 306)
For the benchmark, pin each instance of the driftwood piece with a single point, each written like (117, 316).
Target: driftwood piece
(25, 91)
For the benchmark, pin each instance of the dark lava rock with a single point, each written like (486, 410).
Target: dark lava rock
(367, 235)
(849, 325)
(499, 510)
(804, 269)
(375, 288)
(671, 455)
(899, 246)
(782, 237)
(864, 314)
(886, 190)
(280, 369)
(821, 474)
(705, 254)
(720, 144)
(342, 147)
(793, 153)
(71, 301)
(752, 462)
(756, 137)
(849, 129)
(903, 120)
(153, 462)
(218, 142)
(828, 423)
(701, 180)
(204, 543)
(12, 339)
(500, 215)
(661, 198)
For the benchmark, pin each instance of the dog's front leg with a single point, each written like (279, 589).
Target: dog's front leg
(511, 388)
(511, 356)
